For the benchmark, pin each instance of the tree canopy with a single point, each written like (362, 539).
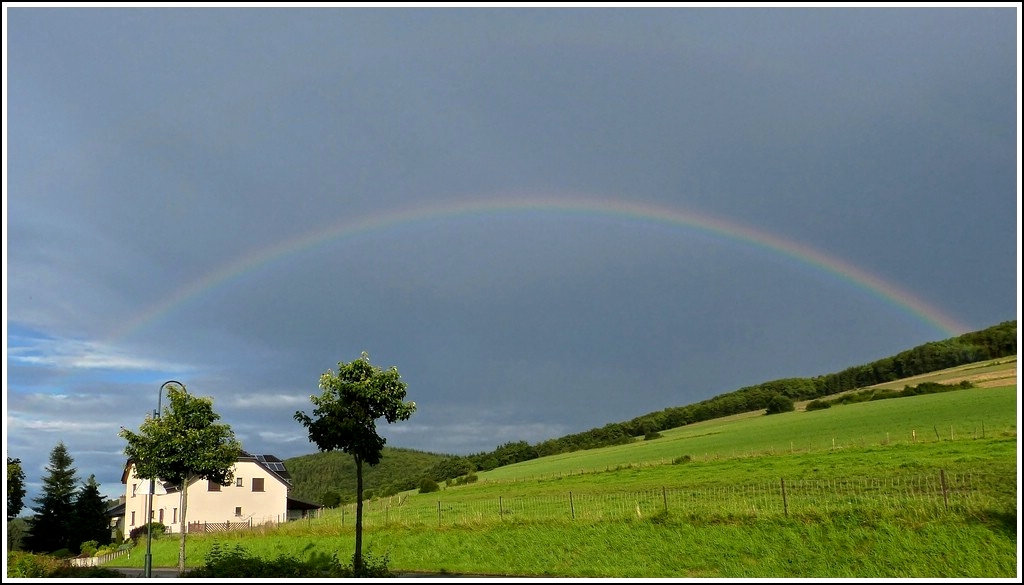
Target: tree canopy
(350, 405)
(346, 419)
(184, 444)
(15, 488)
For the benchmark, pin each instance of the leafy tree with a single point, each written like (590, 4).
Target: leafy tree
(428, 485)
(330, 498)
(182, 446)
(17, 530)
(91, 521)
(15, 488)
(52, 528)
(779, 403)
(346, 414)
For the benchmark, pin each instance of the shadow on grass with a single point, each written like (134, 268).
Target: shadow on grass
(1002, 521)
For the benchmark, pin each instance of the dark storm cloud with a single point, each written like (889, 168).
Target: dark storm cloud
(151, 149)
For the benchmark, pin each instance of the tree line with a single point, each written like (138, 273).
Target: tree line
(994, 342)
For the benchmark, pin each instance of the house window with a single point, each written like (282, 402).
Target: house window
(212, 486)
(133, 518)
(135, 488)
(238, 482)
(175, 515)
(161, 516)
(238, 510)
(257, 484)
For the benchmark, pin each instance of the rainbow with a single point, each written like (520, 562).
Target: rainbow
(572, 205)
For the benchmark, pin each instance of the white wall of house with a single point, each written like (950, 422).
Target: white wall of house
(254, 494)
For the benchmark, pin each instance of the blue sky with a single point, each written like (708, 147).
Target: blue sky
(537, 215)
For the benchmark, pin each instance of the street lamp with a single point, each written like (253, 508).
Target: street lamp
(148, 567)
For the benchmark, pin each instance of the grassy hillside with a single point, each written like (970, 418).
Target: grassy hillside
(923, 486)
(315, 474)
(401, 469)
(984, 374)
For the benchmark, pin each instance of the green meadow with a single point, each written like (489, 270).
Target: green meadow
(923, 486)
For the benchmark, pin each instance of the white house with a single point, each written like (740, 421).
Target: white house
(258, 495)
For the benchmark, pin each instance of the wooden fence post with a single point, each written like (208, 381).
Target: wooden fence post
(945, 497)
(664, 497)
(439, 513)
(501, 513)
(785, 505)
(572, 510)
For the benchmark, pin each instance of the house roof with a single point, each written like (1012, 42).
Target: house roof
(297, 504)
(116, 510)
(270, 463)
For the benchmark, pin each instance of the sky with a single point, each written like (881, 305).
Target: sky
(548, 219)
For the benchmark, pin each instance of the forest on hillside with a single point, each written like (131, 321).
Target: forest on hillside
(330, 477)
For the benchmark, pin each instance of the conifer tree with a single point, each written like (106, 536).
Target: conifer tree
(52, 528)
(91, 521)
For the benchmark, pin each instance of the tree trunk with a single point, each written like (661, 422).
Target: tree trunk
(183, 525)
(357, 559)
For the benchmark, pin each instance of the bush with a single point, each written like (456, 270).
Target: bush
(468, 478)
(682, 459)
(27, 565)
(89, 547)
(651, 435)
(779, 403)
(140, 531)
(818, 405)
(428, 485)
(330, 498)
(105, 550)
(234, 562)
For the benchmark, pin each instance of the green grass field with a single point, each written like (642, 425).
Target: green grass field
(924, 486)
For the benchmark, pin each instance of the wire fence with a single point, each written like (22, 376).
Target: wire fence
(918, 496)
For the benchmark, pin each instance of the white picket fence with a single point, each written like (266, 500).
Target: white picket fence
(94, 561)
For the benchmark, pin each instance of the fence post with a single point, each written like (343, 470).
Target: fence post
(439, 513)
(664, 497)
(501, 513)
(945, 497)
(572, 510)
(785, 505)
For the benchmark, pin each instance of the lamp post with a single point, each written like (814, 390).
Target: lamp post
(148, 566)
